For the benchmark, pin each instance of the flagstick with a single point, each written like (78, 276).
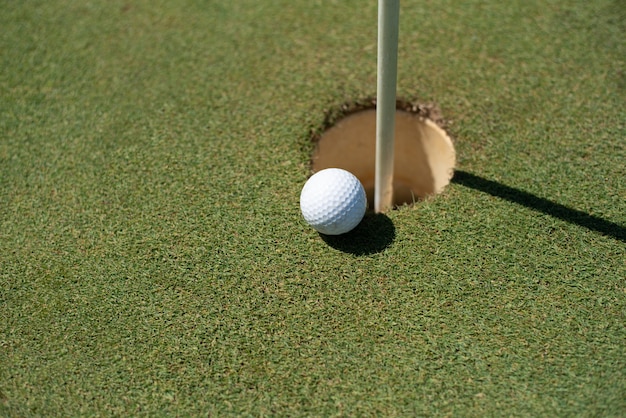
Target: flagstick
(388, 20)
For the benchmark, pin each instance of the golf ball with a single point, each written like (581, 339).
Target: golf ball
(333, 201)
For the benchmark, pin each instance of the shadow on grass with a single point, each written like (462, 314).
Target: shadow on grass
(540, 204)
(375, 233)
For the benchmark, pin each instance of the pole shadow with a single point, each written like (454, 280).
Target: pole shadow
(539, 204)
(375, 233)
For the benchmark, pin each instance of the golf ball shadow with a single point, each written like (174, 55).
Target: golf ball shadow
(375, 233)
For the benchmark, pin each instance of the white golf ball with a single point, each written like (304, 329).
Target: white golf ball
(333, 201)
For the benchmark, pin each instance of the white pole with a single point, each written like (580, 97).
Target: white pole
(388, 22)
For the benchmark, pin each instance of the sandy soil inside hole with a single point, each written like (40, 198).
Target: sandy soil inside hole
(424, 157)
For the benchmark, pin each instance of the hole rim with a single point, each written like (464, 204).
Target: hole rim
(426, 111)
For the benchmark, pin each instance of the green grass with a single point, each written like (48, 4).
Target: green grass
(153, 260)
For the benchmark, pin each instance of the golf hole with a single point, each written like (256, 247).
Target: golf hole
(424, 157)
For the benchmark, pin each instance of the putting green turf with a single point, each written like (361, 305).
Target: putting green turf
(153, 260)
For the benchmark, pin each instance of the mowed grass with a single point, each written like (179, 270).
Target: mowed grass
(153, 260)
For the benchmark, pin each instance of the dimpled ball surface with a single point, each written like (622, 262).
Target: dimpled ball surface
(333, 201)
